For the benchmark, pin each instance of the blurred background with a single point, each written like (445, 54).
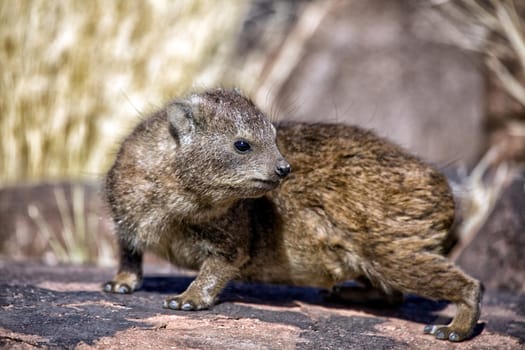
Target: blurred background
(443, 78)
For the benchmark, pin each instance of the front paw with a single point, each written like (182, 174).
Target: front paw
(123, 283)
(187, 302)
(116, 287)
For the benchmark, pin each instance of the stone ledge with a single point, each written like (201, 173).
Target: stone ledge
(62, 307)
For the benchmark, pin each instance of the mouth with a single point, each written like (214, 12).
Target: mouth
(266, 183)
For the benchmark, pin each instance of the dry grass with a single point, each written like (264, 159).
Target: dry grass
(75, 75)
(477, 194)
(496, 28)
(79, 241)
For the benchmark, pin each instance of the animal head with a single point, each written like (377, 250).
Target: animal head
(228, 145)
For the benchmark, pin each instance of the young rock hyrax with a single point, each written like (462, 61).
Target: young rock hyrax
(197, 183)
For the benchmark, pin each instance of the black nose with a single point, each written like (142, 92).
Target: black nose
(283, 168)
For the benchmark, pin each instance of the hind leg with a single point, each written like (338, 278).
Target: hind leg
(432, 276)
(467, 315)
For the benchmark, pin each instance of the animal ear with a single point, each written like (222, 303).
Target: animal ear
(182, 119)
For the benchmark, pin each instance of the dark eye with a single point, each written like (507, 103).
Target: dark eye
(242, 146)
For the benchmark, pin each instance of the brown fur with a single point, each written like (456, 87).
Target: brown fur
(354, 207)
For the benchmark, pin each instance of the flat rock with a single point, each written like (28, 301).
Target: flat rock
(495, 255)
(62, 307)
(380, 64)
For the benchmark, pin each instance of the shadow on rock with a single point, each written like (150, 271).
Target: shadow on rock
(415, 309)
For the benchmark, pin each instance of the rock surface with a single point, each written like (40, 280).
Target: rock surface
(495, 255)
(62, 307)
(383, 65)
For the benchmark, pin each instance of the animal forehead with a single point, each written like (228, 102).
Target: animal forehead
(225, 97)
(228, 103)
(229, 111)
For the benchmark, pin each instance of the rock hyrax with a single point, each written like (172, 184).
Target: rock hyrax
(197, 183)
